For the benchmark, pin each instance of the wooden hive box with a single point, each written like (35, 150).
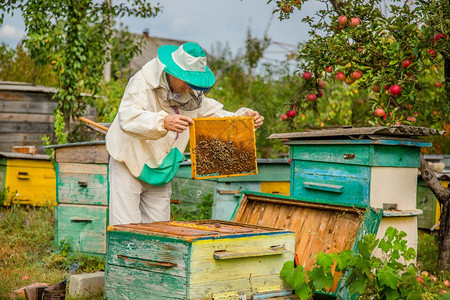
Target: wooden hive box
(27, 179)
(318, 227)
(223, 147)
(81, 215)
(195, 260)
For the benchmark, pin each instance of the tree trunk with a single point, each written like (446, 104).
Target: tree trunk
(443, 196)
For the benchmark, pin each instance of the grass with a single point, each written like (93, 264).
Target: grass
(27, 252)
(28, 255)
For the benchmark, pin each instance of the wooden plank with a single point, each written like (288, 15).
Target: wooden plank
(140, 248)
(205, 268)
(82, 154)
(21, 138)
(27, 107)
(26, 96)
(83, 226)
(126, 283)
(82, 183)
(332, 153)
(352, 182)
(248, 287)
(7, 146)
(27, 127)
(8, 117)
(80, 168)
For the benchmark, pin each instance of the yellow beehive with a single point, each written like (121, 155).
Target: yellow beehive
(27, 179)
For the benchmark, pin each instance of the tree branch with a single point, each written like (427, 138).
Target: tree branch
(442, 194)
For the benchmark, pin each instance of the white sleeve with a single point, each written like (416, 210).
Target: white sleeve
(134, 116)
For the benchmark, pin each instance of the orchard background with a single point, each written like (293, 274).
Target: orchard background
(366, 63)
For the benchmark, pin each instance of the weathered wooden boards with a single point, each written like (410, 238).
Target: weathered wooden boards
(26, 114)
(194, 260)
(318, 227)
(82, 188)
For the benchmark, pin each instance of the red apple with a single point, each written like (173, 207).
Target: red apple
(307, 75)
(398, 123)
(379, 112)
(319, 93)
(406, 63)
(328, 69)
(321, 84)
(395, 90)
(411, 119)
(357, 74)
(291, 113)
(432, 53)
(409, 106)
(311, 97)
(340, 76)
(435, 113)
(354, 22)
(376, 88)
(440, 36)
(438, 85)
(284, 117)
(343, 20)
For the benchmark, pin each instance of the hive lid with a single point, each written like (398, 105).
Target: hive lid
(191, 230)
(223, 147)
(397, 131)
(24, 156)
(318, 227)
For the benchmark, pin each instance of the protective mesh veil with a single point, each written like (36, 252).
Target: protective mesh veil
(187, 101)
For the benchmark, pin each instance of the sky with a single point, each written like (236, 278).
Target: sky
(207, 22)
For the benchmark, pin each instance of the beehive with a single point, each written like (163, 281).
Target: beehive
(319, 227)
(27, 179)
(81, 215)
(195, 260)
(223, 147)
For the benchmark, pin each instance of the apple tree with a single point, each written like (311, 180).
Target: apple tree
(397, 56)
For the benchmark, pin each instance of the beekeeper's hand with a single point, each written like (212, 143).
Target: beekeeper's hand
(177, 123)
(259, 120)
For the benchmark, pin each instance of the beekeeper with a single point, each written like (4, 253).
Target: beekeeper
(147, 138)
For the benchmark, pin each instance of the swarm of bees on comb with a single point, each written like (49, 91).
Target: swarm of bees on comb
(215, 156)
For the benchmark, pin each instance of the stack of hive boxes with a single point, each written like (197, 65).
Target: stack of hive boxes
(380, 172)
(82, 195)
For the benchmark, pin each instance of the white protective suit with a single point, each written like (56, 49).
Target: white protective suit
(137, 137)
